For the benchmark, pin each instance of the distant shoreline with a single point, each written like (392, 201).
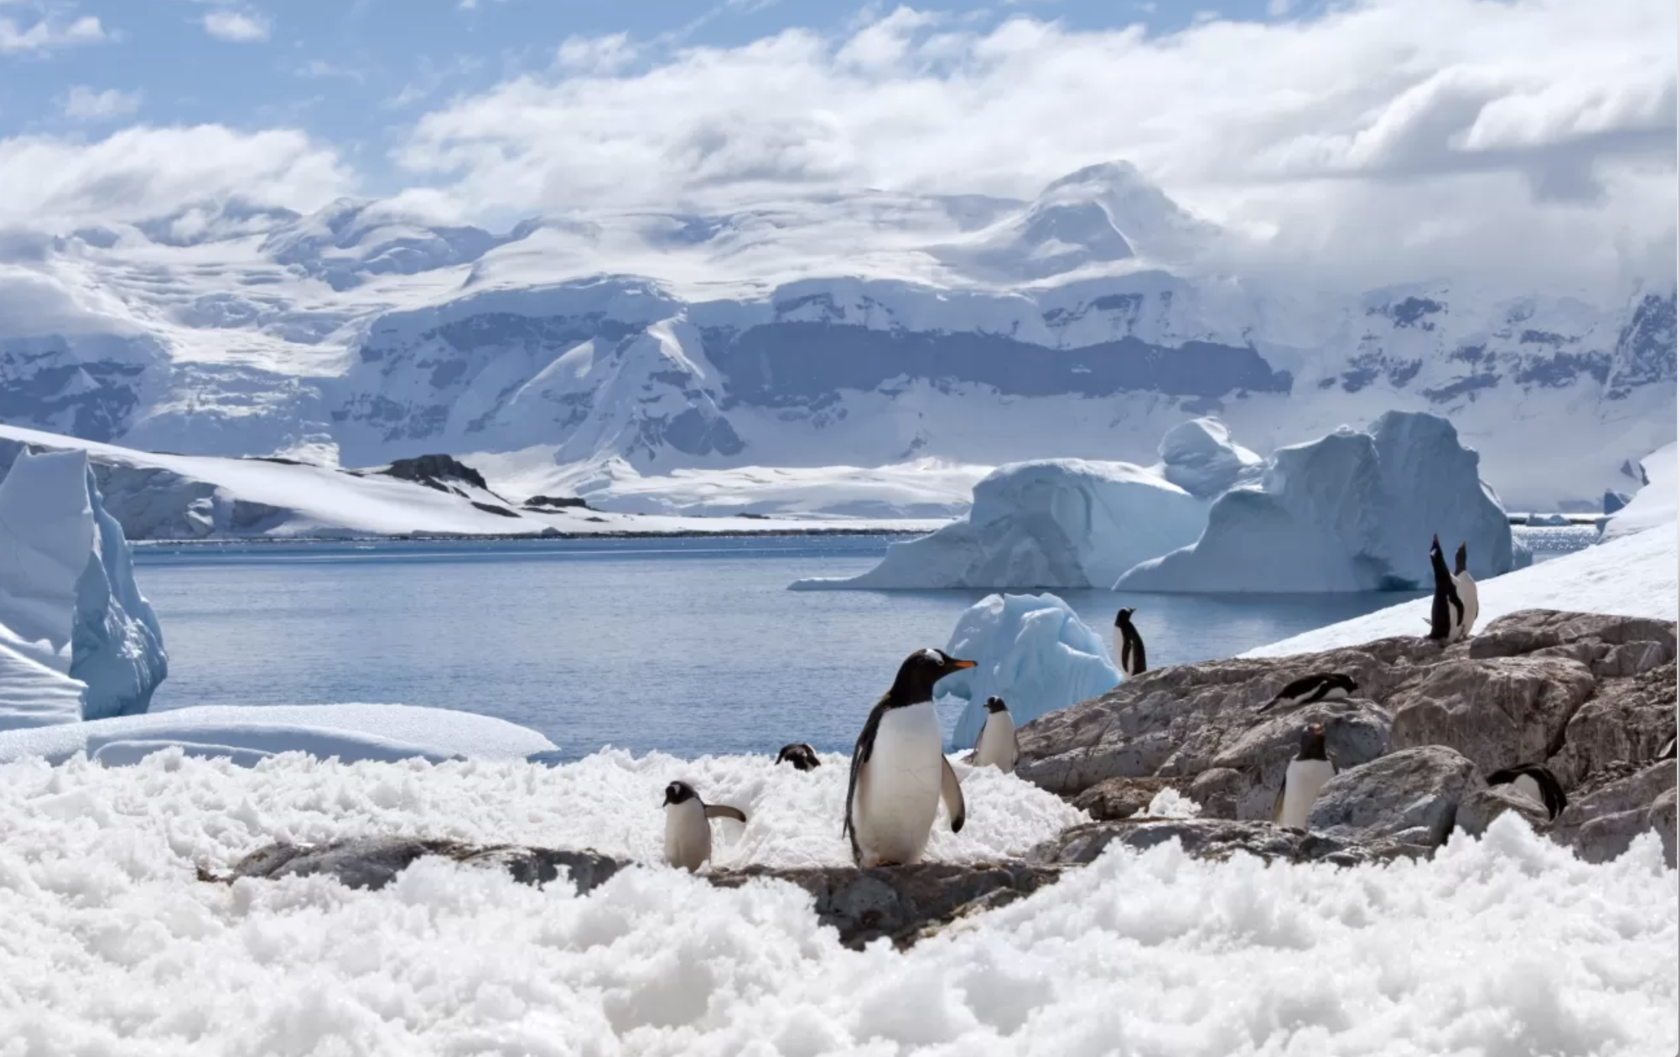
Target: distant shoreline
(527, 537)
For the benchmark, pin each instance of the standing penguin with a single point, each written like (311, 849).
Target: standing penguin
(996, 746)
(1534, 781)
(1465, 584)
(1307, 773)
(801, 755)
(1128, 645)
(899, 771)
(688, 833)
(1446, 612)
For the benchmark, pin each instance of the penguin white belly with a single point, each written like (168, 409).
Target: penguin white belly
(1528, 787)
(1466, 587)
(688, 836)
(997, 743)
(899, 797)
(1306, 778)
(1120, 652)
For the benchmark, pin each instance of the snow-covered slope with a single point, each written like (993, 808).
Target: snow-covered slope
(863, 330)
(1655, 503)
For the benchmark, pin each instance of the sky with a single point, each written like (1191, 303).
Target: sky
(1500, 128)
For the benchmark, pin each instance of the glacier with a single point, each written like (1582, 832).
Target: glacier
(1653, 505)
(1064, 523)
(1200, 457)
(68, 600)
(1031, 650)
(1352, 511)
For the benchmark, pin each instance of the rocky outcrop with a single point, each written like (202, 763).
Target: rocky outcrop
(1410, 796)
(1497, 711)
(1118, 798)
(1629, 719)
(435, 471)
(374, 862)
(1214, 838)
(1478, 810)
(1601, 822)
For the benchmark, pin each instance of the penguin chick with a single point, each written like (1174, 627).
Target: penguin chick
(801, 755)
(688, 831)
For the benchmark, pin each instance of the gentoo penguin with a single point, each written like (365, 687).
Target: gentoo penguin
(1128, 645)
(899, 771)
(1465, 584)
(1307, 773)
(1535, 782)
(1446, 613)
(1319, 686)
(801, 755)
(688, 834)
(996, 746)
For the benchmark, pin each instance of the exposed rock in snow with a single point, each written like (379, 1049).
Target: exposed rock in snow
(1602, 821)
(68, 597)
(1057, 523)
(1411, 796)
(1031, 650)
(1212, 838)
(1478, 810)
(1200, 457)
(1653, 506)
(1352, 511)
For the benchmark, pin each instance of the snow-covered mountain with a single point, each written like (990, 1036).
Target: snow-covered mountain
(867, 330)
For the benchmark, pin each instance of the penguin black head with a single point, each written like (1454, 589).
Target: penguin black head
(679, 793)
(1344, 681)
(919, 672)
(995, 704)
(1312, 741)
(1124, 617)
(801, 755)
(1460, 559)
(1435, 544)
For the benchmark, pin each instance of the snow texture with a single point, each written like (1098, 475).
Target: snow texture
(1031, 650)
(68, 600)
(1200, 457)
(1633, 576)
(1654, 504)
(1352, 511)
(1062, 523)
(112, 947)
(249, 733)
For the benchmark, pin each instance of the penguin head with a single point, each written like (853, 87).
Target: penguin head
(995, 704)
(1124, 617)
(801, 755)
(1434, 545)
(1344, 681)
(1460, 559)
(679, 793)
(919, 672)
(1312, 741)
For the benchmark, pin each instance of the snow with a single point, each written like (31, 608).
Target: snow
(1352, 511)
(1632, 576)
(351, 732)
(72, 620)
(113, 947)
(1064, 523)
(1654, 504)
(1200, 457)
(1031, 650)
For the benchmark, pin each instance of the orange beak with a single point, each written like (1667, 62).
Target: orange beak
(961, 664)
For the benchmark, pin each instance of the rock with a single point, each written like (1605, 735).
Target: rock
(1628, 720)
(435, 471)
(373, 862)
(1410, 796)
(1498, 712)
(1481, 807)
(1596, 635)
(1355, 732)
(1210, 839)
(1602, 822)
(1117, 798)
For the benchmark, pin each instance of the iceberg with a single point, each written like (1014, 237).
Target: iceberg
(1031, 650)
(1200, 457)
(69, 605)
(1654, 505)
(1059, 523)
(1352, 511)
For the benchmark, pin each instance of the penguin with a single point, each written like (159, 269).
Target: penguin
(1128, 644)
(1446, 613)
(688, 834)
(1319, 686)
(801, 755)
(1307, 773)
(996, 746)
(1465, 584)
(1534, 781)
(899, 771)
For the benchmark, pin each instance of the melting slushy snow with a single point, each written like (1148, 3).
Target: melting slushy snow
(1506, 946)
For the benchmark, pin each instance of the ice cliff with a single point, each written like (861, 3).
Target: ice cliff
(1063, 523)
(1031, 650)
(1352, 511)
(78, 639)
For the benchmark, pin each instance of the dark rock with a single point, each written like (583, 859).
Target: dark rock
(1480, 808)
(557, 502)
(1602, 822)
(492, 508)
(1206, 838)
(1117, 798)
(434, 470)
(373, 862)
(1410, 796)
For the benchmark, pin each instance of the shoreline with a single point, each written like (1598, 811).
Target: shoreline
(529, 537)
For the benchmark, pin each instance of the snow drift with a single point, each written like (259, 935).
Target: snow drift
(1200, 457)
(1654, 504)
(68, 600)
(1064, 523)
(1030, 650)
(1352, 511)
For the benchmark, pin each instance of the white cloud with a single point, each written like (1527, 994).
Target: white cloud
(85, 104)
(48, 33)
(235, 26)
(596, 54)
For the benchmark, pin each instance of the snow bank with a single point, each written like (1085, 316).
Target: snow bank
(68, 599)
(1200, 457)
(1633, 576)
(1064, 523)
(1654, 504)
(1351, 511)
(247, 734)
(1152, 952)
(1030, 650)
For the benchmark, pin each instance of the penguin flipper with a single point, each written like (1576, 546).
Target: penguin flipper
(861, 752)
(950, 791)
(725, 811)
(1277, 802)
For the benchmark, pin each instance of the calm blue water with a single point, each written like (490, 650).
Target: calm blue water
(688, 645)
